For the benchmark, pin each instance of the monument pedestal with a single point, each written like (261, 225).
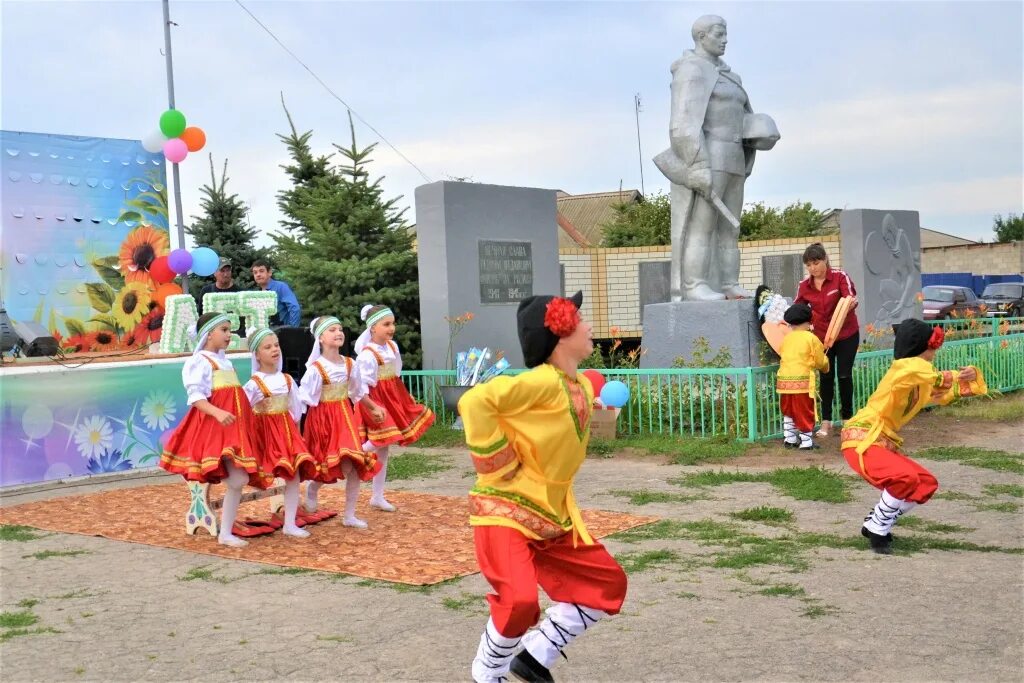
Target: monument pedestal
(670, 330)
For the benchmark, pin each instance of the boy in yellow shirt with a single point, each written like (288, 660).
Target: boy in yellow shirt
(871, 443)
(528, 436)
(796, 383)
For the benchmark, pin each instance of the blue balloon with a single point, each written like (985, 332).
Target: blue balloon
(615, 394)
(204, 261)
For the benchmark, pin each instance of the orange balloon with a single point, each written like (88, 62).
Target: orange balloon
(194, 138)
(164, 291)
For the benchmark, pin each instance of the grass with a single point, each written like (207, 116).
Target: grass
(440, 436)
(15, 532)
(686, 451)
(988, 411)
(646, 496)
(1001, 461)
(404, 587)
(781, 552)
(44, 554)
(764, 514)
(801, 483)
(818, 611)
(281, 571)
(466, 602)
(687, 595)
(1013, 490)
(603, 448)
(954, 495)
(416, 466)
(919, 524)
(335, 639)
(28, 603)
(634, 562)
(202, 573)
(17, 619)
(784, 590)
(1007, 506)
(17, 632)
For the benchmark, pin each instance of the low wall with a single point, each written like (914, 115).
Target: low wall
(1001, 258)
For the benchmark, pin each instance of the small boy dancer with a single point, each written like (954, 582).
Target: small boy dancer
(528, 437)
(802, 355)
(871, 444)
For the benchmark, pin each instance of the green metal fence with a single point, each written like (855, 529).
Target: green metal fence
(741, 403)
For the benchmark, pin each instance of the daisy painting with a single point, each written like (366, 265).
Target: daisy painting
(93, 436)
(158, 410)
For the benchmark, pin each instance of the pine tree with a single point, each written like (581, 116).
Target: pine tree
(224, 228)
(345, 245)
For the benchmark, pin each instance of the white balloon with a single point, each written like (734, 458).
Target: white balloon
(154, 141)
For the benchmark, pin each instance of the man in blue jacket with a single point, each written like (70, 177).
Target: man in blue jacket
(288, 310)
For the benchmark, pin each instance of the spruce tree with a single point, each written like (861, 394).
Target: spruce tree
(344, 245)
(223, 227)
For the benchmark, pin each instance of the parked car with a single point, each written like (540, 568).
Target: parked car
(948, 301)
(1004, 299)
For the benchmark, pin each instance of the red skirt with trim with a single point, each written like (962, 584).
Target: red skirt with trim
(334, 433)
(406, 419)
(199, 444)
(281, 449)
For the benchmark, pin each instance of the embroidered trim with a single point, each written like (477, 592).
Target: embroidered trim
(493, 463)
(491, 449)
(521, 501)
(582, 423)
(488, 506)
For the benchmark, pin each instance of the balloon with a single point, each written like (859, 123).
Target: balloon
(596, 379)
(154, 141)
(172, 123)
(175, 150)
(204, 261)
(194, 138)
(179, 260)
(160, 270)
(615, 394)
(164, 291)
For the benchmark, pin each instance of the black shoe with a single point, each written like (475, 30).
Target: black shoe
(528, 669)
(790, 444)
(880, 544)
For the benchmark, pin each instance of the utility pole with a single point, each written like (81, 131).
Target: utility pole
(170, 105)
(640, 153)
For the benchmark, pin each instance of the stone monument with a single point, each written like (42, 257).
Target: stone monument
(714, 135)
(482, 249)
(882, 255)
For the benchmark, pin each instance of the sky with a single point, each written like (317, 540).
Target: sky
(885, 105)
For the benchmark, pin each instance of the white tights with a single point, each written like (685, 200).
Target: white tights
(236, 481)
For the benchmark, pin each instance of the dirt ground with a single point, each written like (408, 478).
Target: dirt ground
(118, 611)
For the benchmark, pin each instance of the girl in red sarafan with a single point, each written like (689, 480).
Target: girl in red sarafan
(390, 414)
(276, 407)
(333, 430)
(212, 442)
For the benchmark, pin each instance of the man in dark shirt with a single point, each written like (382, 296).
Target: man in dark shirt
(224, 281)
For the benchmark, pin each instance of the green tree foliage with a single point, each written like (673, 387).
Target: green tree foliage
(639, 224)
(761, 222)
(343, 244)
(1009, 229)
(223, 227)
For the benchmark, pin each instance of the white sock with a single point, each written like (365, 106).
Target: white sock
(789, 431)
(564, 623)
(377, 498)
(291, 507)
(493, 655)
(905, 507)
(368, 447)
(236, 480)
(805, 440)
(312, 491)
(884, 515)
(351, 495)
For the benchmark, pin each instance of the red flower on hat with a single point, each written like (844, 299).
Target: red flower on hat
(561, 317)
(938, 336)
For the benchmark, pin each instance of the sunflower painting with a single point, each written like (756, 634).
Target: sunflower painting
(141, 247)
(131, 304)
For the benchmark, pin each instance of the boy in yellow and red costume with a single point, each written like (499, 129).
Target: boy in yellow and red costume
(528, 437)
(801, 356)
(870, 440)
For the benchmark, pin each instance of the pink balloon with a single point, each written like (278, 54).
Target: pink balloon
(175, 150)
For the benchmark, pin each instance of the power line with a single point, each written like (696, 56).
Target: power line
(331, 92)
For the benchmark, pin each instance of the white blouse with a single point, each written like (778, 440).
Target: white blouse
(313, 382)
(278, 386)
(366, 362)
(197, 374)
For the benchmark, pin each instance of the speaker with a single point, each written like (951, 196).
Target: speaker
(35, 340)
(296, 345)
(8, 337)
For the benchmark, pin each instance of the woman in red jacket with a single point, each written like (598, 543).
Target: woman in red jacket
(821, 290)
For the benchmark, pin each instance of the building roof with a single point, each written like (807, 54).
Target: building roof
(934, 238)
(582, 215)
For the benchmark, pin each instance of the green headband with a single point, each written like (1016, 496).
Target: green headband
(212, 323)
(378, 316)
(323, 324)
(257, 337)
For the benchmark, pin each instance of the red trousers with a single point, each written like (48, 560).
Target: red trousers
(800, 408)
(514, 565)
(893, 472)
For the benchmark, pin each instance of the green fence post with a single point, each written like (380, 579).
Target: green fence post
(751, 407)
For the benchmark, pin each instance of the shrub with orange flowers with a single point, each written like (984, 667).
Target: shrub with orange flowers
(455, 327)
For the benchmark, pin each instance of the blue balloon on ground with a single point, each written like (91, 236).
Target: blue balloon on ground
(204, 261)
(615, 394)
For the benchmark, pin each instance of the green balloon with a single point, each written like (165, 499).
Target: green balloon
(172, 123)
